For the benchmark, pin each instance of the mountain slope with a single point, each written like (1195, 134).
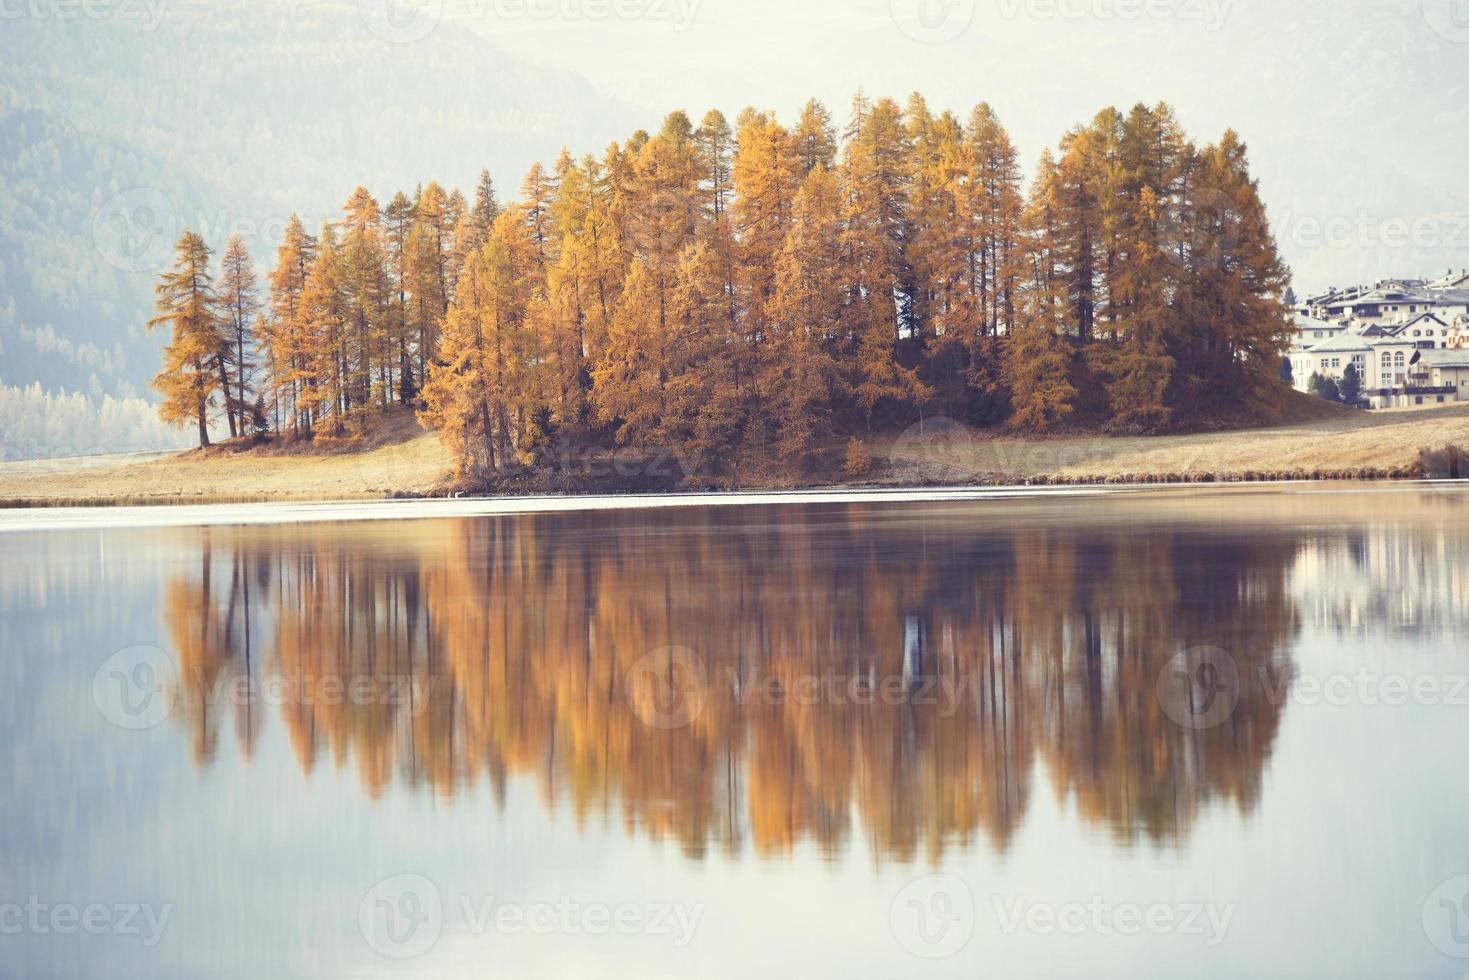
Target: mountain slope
(225, 117)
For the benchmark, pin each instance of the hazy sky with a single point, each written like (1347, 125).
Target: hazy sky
(1357, 112)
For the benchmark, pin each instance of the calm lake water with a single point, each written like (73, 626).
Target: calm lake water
(1169, 734)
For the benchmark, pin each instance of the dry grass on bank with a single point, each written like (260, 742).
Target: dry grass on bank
(1344, 443)
(397, 457)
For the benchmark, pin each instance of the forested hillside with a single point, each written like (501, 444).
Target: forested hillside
(115, 134)
(757, 289)
(41, 423)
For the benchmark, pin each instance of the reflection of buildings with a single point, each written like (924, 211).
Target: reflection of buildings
(1397, 579)
(512, 643)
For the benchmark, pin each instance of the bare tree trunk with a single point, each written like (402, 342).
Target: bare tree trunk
(203, 428)
(224, 387)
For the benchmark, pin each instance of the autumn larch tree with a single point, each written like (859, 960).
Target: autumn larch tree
(239, 306)
(191, 359)
(483, 385)
(763, 289)
(288, 341)
(801, 374)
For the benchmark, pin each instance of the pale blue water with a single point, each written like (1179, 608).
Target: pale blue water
(659, 716)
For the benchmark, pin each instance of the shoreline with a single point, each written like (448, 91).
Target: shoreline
(20, 520)
(1042, 482)
(400, 461)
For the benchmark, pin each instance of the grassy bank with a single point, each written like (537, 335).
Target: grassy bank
(397, 458)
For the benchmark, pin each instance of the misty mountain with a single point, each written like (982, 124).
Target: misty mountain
(117, 133)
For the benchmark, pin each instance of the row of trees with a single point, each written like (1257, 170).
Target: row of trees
(349, 320)
(37, 423)
(1347, 389)
(761, 287)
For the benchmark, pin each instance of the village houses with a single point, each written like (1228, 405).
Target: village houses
(1407, 339)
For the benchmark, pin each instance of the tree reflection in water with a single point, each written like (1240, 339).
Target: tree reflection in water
(904, 676)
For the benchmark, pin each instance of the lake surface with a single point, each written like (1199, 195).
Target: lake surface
(1191, 733)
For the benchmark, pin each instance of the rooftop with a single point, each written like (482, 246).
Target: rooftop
(1444, 358)
(1304, 322)
(1347, 341)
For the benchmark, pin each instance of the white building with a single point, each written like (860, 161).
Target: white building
(1405, 338)
(1444, 369)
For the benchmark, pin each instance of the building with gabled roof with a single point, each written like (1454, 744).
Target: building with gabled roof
(1378, 329)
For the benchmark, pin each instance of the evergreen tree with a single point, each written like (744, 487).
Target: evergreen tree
(1349, 391)
(1324, 387)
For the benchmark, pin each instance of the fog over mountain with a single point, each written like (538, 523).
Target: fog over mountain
(117, 130)
(116, 134)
